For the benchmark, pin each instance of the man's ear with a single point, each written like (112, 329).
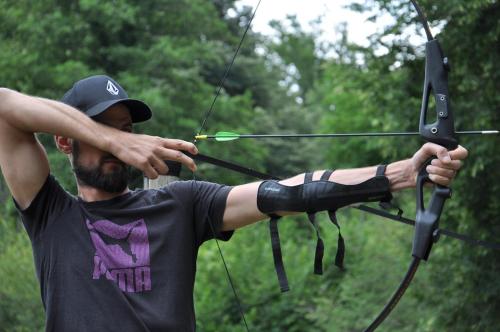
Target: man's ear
(64, 144)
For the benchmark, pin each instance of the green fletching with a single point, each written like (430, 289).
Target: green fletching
(223, 136)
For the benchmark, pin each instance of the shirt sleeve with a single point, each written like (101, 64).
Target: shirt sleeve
(48, 204)
(208, 203)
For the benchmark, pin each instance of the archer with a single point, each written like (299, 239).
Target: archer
(125, 260)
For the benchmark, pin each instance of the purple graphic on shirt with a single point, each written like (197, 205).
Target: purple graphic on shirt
(122, 254)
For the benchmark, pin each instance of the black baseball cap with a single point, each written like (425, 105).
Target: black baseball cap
(95, 94)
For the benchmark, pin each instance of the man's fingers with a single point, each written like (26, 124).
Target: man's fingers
(453, 165)
(180, 157)
(441, 153)
(159, 165)
(443, 172)
(459, 153)
(429, 150)
(432, 149)
(177, 144)
(148, 153)
(444, 181)
(150, 172)
(442, 169)
(173, 148)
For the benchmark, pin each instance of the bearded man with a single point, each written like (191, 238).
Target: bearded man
(115, 259)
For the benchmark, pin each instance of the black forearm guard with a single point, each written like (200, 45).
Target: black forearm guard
(311, 197)
(320, 195)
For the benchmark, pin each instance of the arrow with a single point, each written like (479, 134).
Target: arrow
(223, 136)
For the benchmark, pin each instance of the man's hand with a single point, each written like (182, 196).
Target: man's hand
(148, 153)
(443, 169)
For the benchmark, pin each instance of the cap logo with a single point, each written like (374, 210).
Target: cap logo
(112, 88)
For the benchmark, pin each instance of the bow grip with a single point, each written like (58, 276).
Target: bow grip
(427, 220)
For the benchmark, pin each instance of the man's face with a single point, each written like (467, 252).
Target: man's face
(100, 169)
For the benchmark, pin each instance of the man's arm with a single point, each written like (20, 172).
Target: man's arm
(242, 210)
(23, 160)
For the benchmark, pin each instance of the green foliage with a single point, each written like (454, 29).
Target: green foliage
(173, 53)
(20, 305)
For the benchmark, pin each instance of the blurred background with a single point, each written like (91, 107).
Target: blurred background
(300, 70)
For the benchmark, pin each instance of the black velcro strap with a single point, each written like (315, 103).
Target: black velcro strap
(339, 257)
(326, 175)
(381, 170)
(320, 246)
(308, 177)
(387, 204)
(277, 257)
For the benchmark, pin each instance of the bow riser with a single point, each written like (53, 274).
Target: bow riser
(442, 131)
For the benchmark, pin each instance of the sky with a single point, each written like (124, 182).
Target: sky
(333, 13)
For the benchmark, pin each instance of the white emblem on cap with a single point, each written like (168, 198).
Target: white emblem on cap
(112, 88)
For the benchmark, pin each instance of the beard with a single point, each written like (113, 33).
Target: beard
(112, 181)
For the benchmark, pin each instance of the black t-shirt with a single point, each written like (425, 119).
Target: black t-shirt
(125, 264)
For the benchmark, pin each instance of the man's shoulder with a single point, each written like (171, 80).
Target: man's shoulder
(190, 187)
(50, 190)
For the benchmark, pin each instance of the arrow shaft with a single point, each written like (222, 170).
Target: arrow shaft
(366, 134)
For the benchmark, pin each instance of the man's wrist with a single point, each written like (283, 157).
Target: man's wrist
(108, 138)
(400, 175)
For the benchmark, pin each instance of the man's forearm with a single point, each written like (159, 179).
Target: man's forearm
(242, 209)
(33, 114)
(399, 175)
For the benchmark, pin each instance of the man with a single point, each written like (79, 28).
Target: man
(112, 259)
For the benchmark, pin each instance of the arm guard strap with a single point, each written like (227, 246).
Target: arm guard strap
(311, 197)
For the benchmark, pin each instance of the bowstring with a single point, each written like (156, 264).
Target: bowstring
(202, 126)
(226, 73)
